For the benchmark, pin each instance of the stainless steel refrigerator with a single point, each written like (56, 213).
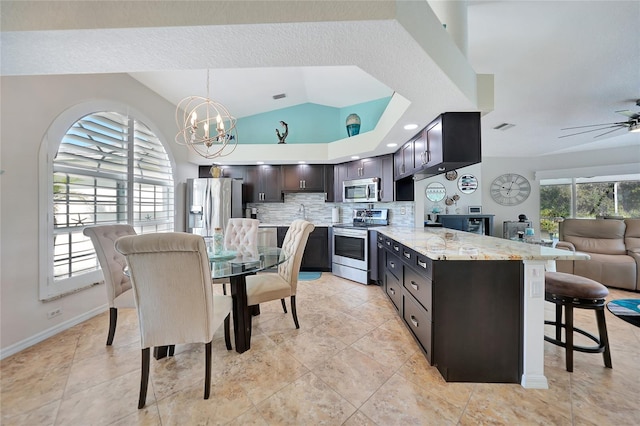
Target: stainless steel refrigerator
(211, 202)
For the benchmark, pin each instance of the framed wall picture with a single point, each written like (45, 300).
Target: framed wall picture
(467, 184)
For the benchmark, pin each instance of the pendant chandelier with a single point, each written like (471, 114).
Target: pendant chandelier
(205, 126)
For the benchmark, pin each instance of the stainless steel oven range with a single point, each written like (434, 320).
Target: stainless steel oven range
(350, 258)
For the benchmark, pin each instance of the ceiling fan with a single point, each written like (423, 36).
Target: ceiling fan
(632, 124)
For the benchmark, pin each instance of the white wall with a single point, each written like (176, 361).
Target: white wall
(424, 206)
(610, 161)
(607, 162)
(29, 105)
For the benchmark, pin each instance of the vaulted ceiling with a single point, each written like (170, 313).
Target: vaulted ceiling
(554, 64)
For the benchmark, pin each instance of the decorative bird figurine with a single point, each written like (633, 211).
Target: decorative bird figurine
(282, 137)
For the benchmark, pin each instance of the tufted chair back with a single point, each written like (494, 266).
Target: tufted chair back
(295, 241)
(112, 263)
(171, 287)
(171, 280)
(242, 235)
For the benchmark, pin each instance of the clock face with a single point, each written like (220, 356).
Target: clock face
(510, 189)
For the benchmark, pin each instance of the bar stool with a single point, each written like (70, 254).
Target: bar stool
(574, 291)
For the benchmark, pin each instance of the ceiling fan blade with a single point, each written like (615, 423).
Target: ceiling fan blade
(616, 126)
(610, 131)
(628, 113)
(594, 125)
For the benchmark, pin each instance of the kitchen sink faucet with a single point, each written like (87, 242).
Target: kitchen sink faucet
(304, 213)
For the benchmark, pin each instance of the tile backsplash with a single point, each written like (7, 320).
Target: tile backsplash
(319, 212)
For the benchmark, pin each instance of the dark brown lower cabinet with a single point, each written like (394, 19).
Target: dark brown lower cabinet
(467, 316)
(316, 254)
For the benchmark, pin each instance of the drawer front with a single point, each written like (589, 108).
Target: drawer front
(420, 287)
(417, 319)
(396, 248)
(394, 265)
(393, 289)
(407, 255)
(388, 242)
(424, 265)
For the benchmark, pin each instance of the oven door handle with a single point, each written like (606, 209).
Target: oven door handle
(358, 233)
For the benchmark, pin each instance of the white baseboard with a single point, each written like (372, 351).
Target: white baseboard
(43, 335)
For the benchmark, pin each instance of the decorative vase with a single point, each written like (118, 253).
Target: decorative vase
(353, 125)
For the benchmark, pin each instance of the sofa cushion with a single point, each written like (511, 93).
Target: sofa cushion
(632, 234)
(611, 270)
(604, 236)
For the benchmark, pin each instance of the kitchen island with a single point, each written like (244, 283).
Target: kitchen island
(474, 303)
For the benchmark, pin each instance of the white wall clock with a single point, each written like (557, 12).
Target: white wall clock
(510, 189)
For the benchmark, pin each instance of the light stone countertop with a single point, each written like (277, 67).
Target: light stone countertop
(449, 244)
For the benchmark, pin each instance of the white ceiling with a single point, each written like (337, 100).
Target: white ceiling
(248, 91)
(555, 64)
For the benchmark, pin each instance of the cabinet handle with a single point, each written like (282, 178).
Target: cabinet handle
(423, 264)
(441, 169)
(379, 245)
(414, 321)
(396, 248)
(414, 285)
(392, 291)
(304, 184)
(393, 265)
(388, 243)
(428, 156)
(406, 254)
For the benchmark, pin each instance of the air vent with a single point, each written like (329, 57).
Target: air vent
(504, 126)
(279, 96)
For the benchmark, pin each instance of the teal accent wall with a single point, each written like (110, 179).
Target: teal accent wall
(308, 123)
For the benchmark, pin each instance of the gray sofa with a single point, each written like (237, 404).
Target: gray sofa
(614, 247)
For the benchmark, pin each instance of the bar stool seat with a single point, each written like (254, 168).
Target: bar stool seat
(573, 291)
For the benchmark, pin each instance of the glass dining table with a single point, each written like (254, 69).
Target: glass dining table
(235, 268)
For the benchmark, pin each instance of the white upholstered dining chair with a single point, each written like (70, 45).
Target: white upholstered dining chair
(171, 280)
(240, 235)
(112, 263)
(269, 286)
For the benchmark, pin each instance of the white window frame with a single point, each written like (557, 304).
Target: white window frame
(48, 287)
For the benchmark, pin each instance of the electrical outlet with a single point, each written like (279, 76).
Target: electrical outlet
(403, 210)
(54, 313)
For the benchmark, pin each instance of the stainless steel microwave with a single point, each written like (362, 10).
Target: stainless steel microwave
(361, 190)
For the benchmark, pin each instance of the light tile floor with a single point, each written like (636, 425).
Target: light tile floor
(352, 362)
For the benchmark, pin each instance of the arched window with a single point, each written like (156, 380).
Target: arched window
(108, 168)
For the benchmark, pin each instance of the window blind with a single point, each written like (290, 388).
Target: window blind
(109, 168)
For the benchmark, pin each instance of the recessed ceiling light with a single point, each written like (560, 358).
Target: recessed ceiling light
(411, 126)
(392, 144)
(355, 157)
(301, 162)
(259, 162)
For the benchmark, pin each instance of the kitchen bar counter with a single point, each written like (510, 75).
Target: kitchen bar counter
(449, 244)
(446, 247)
